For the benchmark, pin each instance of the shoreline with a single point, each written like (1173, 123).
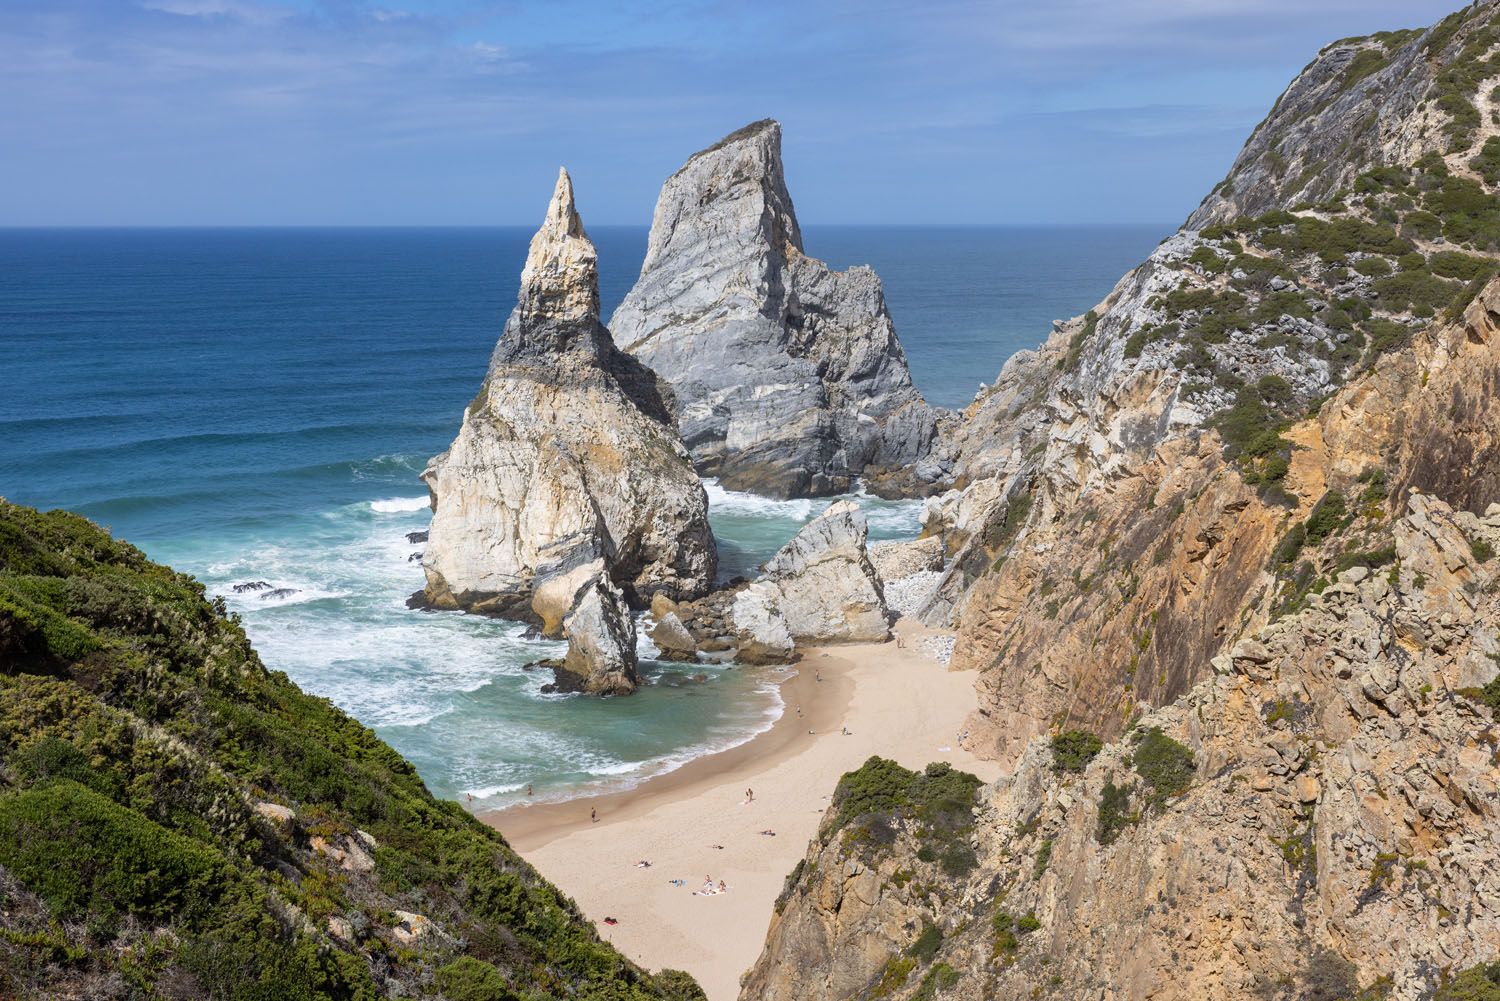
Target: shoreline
(695, 821)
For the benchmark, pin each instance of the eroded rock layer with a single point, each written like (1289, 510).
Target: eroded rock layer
(788, 377)
(567, 470)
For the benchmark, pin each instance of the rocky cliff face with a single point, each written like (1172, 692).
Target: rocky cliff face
(1315, 818)
(788, 377)
(1120, 489)
(1223, 552)
(566, 471)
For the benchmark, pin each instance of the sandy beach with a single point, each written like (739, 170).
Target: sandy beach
(694, 823)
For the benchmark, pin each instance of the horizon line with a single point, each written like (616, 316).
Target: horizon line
(33, 227)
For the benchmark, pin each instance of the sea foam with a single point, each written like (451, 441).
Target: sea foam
(397, 505)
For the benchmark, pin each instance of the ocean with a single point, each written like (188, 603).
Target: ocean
(256, 404)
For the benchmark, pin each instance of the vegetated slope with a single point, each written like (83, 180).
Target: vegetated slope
(1123, 489)
(1318, 818)
(177, 822)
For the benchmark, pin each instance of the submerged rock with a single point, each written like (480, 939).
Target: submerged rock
(567, 478)
(788, 377)
(820, 588)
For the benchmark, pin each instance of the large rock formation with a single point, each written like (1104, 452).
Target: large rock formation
(1122, 487)
(788, 377)
(1318, 817)
(567, 479)
(819, 588)
(1238, 526)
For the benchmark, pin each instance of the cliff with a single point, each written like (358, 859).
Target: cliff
(1316, 818)
(1223, 552)
(178, 822)
(788, 377)
(567, 483)
(1120, 490)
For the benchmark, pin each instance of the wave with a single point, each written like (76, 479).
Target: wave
(485, 792)
(397, 505)
(747, 505)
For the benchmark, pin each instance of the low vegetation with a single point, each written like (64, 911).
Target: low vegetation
(875, 803)
(138, 728)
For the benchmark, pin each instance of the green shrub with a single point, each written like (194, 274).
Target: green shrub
(1415, 288)
(1114, 813)
(938, 802)
(1166, 766)
(1482, 550)
(1464, 267)
(84, 853)
(678, 985)
(927, 944)
(1043, 859)
(1209, 261)
(1326, 517)
(468, 979)
(941, 977)
(1386, 335)
(1072, 750)
(1487, 163)
(1477, 983)
(1374, 267)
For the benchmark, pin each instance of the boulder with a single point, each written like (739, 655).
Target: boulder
(673, 639)
(819, 588)
(788, 377)
(601, 657)
(566, 462)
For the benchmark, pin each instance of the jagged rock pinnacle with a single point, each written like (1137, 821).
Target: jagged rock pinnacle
(560, 282)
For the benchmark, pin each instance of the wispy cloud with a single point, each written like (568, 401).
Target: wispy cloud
(119, 111)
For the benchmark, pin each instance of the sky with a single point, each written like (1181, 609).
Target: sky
(458, 112)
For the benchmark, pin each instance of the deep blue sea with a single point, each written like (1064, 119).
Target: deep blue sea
(256, 404)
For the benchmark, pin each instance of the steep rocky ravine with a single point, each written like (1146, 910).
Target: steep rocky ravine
(1316, 818)
(1120, 490)
(1222, 550)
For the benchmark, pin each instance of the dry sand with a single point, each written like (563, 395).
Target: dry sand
(896, 701)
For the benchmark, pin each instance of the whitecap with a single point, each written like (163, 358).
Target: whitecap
(747, 505)
(485, 792)
(397, 505)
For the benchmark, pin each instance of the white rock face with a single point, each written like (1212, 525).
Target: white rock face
(898, 559)
(788, 376)
(820, 588)
(566, 458)
(601, 641)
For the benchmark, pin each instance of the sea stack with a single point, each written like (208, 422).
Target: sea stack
(567, 497)
(819, 588)
(788, 377)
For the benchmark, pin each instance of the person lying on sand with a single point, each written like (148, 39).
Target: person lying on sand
(677, 882)
(719, 847)
(610, 921)
(769, 833)
(643, 864)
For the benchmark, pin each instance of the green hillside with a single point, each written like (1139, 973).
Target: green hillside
(178, 822)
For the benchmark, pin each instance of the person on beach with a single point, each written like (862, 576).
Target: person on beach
(593, 816)
(528, 788)
(722, 887)
(749, 795)
(469, 797)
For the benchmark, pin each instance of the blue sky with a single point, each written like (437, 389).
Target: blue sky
(270, 112)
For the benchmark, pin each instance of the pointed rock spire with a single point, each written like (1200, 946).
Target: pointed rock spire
(560, 282)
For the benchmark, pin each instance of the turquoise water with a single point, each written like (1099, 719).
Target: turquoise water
(256, 405)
